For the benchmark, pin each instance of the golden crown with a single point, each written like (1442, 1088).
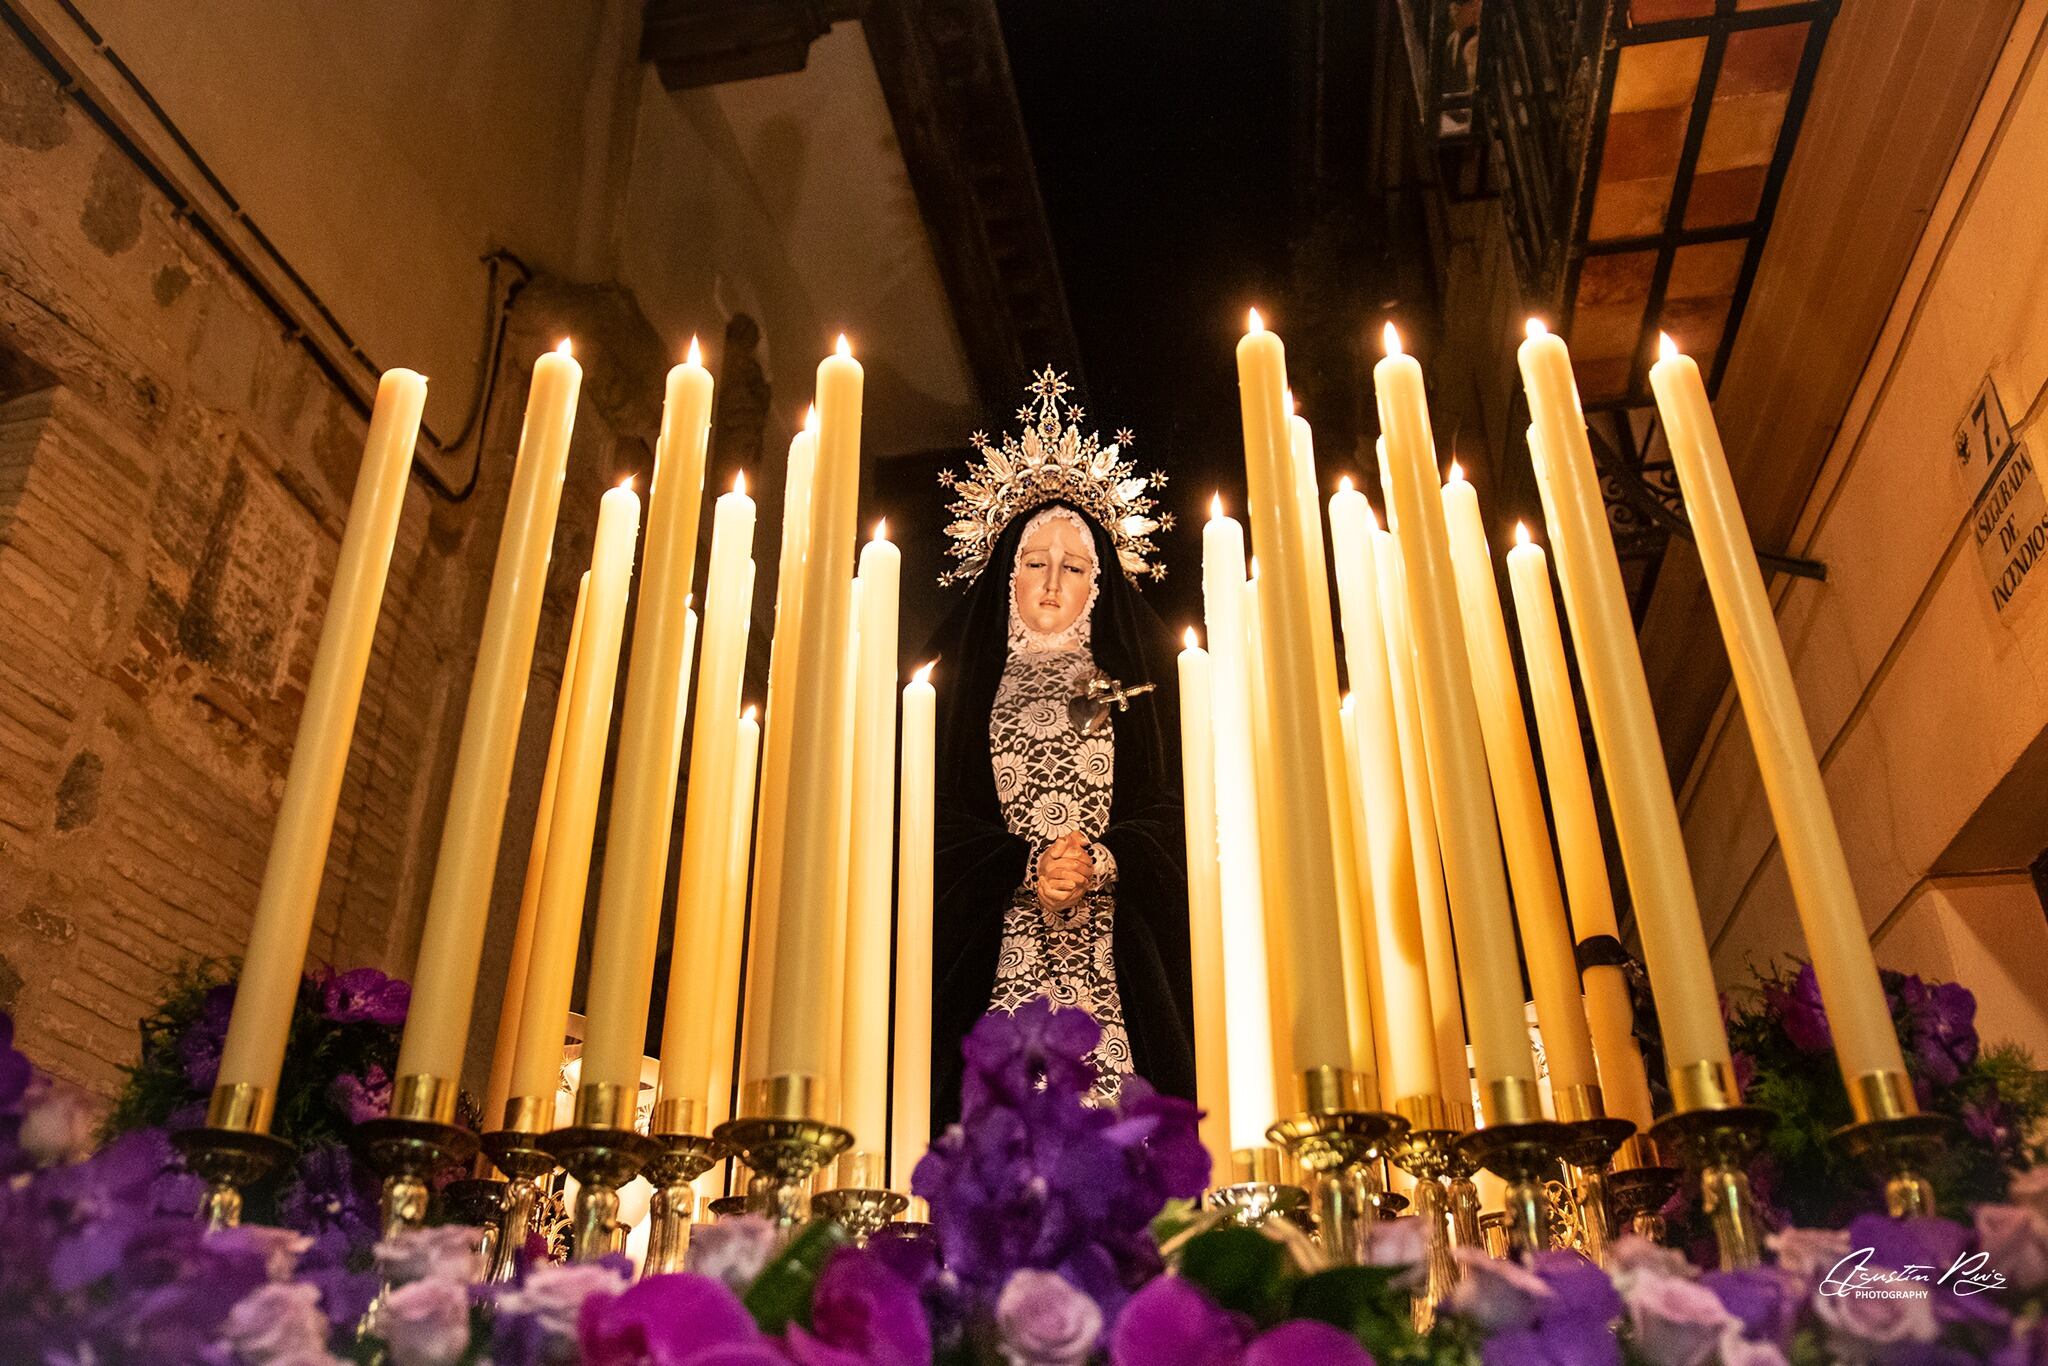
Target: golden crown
(1050, 460)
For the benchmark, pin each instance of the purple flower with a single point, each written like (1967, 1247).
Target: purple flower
(665, 1321)
(275, 1323)
(2030, 1188)
(426, 1323)
(446, 1252)
(364, 1097)
(1900, 1243)
(1988, 1121)
(1035, 1048)
(732, 1250)
(1677, 1322)
(279, 1249)
(1800, 1012)
(2014, 1241)
(1170, 1323)
(1765, 1299)
(1306, 1340)
(1737, 1350)
(57, 1122)
(365, 994)
(1632, 1255)
(330, 1194)
(1045, 1321)
(1396, 1242)
(862, 1314)
(1808, 1253)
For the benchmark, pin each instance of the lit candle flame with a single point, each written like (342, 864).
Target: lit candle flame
(1344, 484)
(842, 347)
(811, 419)
(626, 483)
(1257, 323)
(1188, 638)
(1215, 506)
(739, 483)
(1535, 328)
(750, 713)
(1292, 406)
(924, 675)
(882, 529)
(1391, 336)
(1457, 472)
(1372, 519)
(1254, 572)
(696, 355)
(1667, 349)
(562, 348)
(1521, 533)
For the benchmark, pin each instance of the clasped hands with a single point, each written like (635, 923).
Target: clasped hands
(1066, 870)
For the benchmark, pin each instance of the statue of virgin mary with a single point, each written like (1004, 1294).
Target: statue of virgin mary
(1060, 868)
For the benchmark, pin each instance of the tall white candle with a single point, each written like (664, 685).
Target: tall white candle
(459, 906)
(1205, 894)
(1697, 1059)
(1866, 1043)
(252, 1056)
(724, 1004)
(1457, 760)
(910, 1111)
(864, 1057)
(1247, 994)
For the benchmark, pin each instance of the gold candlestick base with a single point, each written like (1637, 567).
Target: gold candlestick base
(1637, 1196)
(1587, 1155)
(1254, 1204)
(1524, 1156)
(681, 1159)
(1717, 1143)
(602, 1159)
(407, 1153)
(782, 1154)
(1341, 1148)
(479, 1202)
(1897, 1151)
(727, 1206)
(1430, 1156)
(227, 1160)
(518, 1154)
(860, 1210)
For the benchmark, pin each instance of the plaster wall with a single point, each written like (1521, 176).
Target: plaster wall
(1925, 700)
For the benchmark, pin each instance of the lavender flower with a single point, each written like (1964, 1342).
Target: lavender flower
(2030, 1188)
(732, 1251)
(1677, 1322)
(1396, 1242)
(2014, 1241)
(1862, 1326)
(56, 1124)
(1045, 1321)
(1633, 1255)
(1765, 1299)
(1493, 1294)
(426, 1323)
(447, 1252)
(1737, 1350)
(365, 994)
(275, 1323)
(537, 1319)
(1808, 1253)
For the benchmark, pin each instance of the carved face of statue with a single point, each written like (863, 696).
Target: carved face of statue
(1055, 574)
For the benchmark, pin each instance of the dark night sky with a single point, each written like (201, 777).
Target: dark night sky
(1159, 129)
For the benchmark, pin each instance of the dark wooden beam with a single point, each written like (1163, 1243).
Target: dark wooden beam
(946, 74)
(707, 42)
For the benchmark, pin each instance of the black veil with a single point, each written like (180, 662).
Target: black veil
(979, 864)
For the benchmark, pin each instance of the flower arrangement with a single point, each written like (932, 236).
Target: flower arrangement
(1061, 1236)
(1784, 1058)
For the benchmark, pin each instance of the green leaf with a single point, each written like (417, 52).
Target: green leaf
(1174, 1216)
(1362, 1301)
(1241, 1269)
(781, 1294)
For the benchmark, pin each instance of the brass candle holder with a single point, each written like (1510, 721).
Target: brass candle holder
(859, 1199)
(782, 1145)
(407, 1146)
(233, 1149)
(1639, 1184)
(1715, 1135)
(727, 1206)
(1596, 1137)
(1893, 1141)
(1259, 1191)
(1339, 1140)
(1427, 1152)
(684, 1155)
(516, 1151)
(1523, 1149)
(480, 1202)
(603, 1151)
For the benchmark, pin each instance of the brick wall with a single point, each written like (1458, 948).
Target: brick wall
(174, 474)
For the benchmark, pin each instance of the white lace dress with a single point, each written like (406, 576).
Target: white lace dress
(1053, 780)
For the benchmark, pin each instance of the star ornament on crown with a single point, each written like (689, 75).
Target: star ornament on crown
(1050, 460)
